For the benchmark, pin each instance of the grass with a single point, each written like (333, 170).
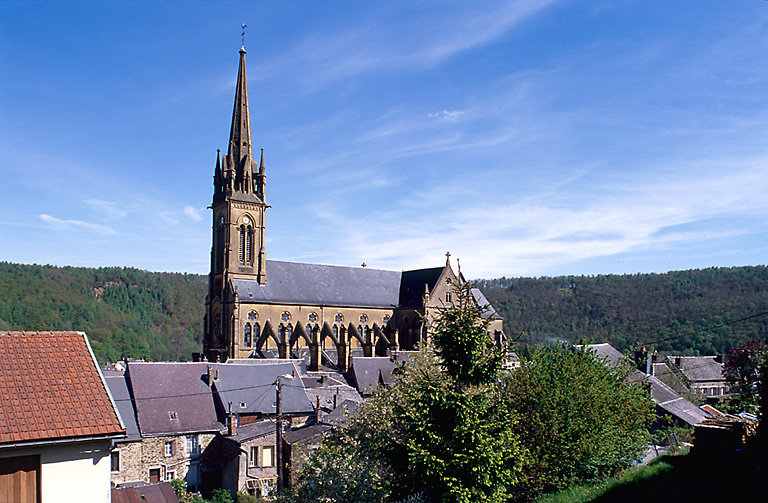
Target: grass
(679, 477)
(629, 478)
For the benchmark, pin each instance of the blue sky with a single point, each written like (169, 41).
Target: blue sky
(528, 138)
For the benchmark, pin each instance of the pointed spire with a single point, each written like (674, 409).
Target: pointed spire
(240, 132)
(218, 180)
(261, 163)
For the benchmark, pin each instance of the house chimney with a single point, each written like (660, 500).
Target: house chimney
(677, 361)
(217, 374)
(208, 377)
(231, 422)
(719, 358)
(335, 395)
(317, 411)
(324, 380)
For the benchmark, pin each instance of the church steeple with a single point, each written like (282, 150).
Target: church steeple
(240, 151)
(238, 250)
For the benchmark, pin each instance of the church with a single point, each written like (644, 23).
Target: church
(259, 308)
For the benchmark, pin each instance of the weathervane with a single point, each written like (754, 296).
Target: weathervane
(242, 35)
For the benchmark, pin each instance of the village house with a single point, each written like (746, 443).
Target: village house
(700, 373)
(668, 401)
(57, 420)
(211, 424)
(176, 420)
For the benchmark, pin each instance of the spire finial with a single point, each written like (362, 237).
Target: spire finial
(242, 36)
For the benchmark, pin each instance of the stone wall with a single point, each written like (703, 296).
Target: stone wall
(138, 458)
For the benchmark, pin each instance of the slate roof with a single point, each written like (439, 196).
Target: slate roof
(160, 389)
(300, 434)
(338, 416)
(485, 305)
(299, 283)
(161, 492)
(51, 388)
(664, 396)
(369, 371)
(411, 292)
(118, 387)
(254, 386)
(700, 368)
(254, 430)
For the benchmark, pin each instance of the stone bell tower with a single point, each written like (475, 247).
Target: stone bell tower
(238, 227)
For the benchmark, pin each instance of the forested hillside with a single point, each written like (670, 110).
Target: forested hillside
(129, 312)
(655, 310)
(125, 312)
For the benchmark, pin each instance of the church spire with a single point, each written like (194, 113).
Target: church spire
(240, 148)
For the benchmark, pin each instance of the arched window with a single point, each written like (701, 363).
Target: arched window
(241, 251)
(256, 333)
(336, 331)
(288, 333)
(249, 245)
(367, 334)
(220, 247)
(309, 331)
(247, 338)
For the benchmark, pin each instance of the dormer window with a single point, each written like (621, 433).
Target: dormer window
(242, 405)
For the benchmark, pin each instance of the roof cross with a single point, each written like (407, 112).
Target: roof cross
(242, 35)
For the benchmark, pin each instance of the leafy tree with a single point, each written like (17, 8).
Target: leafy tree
(742, 367)
(439, 430)
(579, 419)
(461, 342)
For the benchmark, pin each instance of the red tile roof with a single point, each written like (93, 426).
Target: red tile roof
(52, 388)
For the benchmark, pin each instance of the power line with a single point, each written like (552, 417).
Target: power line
(706, 329)
(200, 393)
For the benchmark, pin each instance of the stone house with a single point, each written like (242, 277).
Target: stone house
(57, 420)
(701, 373)
(249, 449)
(176, 421)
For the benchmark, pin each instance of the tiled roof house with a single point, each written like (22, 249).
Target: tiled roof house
(57, 419)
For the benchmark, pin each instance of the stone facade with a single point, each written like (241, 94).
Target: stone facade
(165, 457)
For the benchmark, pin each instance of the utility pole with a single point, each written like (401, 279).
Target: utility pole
(279, 435)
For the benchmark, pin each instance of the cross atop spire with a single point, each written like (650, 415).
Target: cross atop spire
(242, 36)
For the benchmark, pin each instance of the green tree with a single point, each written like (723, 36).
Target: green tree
(579, 419)
(742, 367)
(461, 342)
(439, 430)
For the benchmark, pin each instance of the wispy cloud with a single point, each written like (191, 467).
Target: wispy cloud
(109, 210)
(385, 44)
(446, 114)
(196, 214)
(64, 225)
